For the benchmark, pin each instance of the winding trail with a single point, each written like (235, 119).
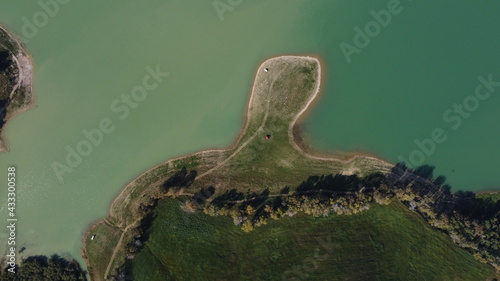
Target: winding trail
(222, 163)
(237, 151)
(133, 224)
(19, 78)
(117, 247)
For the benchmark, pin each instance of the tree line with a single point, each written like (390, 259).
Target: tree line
(42, 268)
(472, 223)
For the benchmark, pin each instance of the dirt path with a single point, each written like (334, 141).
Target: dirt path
(20, 75)
(23, 67)
(261, 127)
(124, 231)
(117, 247)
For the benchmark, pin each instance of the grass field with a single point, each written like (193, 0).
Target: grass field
(384, 243)
(99, 250)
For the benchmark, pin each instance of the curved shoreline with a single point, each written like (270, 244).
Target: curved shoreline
(25, 67)
(488, 191)
(121, 216)
(307, 152)
(123, 195)
(302, 114)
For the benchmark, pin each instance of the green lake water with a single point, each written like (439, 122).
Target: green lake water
(89, 53)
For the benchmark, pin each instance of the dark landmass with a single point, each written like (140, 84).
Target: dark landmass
(42, 268)
(16, 79)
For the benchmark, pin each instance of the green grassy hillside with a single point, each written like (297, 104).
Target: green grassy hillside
(383, 243)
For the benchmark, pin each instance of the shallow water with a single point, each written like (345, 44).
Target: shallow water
(91, 53)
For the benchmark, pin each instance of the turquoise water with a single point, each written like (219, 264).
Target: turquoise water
(91, 53)
(398, 88)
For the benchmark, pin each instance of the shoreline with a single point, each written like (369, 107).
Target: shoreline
(120, 204)
(121, 196)
(307, 151)
(302, 140)
(302, 114)
(488, 191)
(25, 66)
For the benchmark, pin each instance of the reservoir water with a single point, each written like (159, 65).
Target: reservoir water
(90, 56)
